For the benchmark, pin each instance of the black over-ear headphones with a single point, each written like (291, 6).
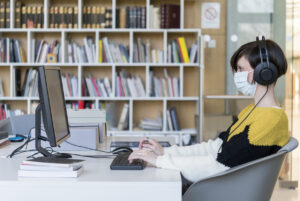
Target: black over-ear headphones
(265, 73)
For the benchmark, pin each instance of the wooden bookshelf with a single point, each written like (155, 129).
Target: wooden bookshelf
(189, 101)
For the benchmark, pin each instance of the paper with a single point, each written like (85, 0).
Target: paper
(210, 15)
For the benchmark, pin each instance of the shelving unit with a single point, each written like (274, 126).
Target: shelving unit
(188, 103)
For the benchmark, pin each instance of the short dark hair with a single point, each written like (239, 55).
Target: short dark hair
(251, 52)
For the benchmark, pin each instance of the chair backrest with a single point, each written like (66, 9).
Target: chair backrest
(252, 181)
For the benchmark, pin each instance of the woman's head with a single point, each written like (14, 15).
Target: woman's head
(247, 57)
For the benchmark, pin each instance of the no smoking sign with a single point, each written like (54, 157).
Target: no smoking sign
(210, 18)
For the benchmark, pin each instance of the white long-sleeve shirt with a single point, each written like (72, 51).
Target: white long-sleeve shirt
(195, 161)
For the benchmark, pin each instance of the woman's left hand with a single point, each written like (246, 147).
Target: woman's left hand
(143, 154)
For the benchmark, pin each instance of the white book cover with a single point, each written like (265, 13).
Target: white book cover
(52, 174)
(7, 50)
(123, 117)
(103, 90)
(175, 85)
(17, 46)
(70, 58)
(64, 83)
(174, 52)
(193, 53)
(169, 121)
(132, 87)
(113, 53)
(35, 87)
(120, 55)
(88, 51)
(157, 87)
(169, 53)
(160, 56)
(94, 53)
(48, 168)
(117, 87)
(75, 52)
(124, 83)
(170, 91)
(74, 82)
(107, 86)
(150, 87)
(164, 87)
(31, 82)
(148, 51)
(141, 50)
(78, 53)
(107, 50)
(26, 90)
(90, 87)
(44, 53)
(153, 54)
(141, 87)
(39, 50)
(32, 59)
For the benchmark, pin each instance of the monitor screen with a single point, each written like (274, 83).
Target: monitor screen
(53, 105)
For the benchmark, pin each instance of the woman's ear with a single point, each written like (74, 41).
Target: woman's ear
(251, 77)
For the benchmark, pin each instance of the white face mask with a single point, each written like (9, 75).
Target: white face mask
(242, 84)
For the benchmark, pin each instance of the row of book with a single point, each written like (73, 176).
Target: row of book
(96, 17)
(110, 52)
(172, 120)
(178, 52)
(85, 53)
(11, 50)
(80, 105)
(165, 16)
(151, 124)
(96, 87)
(164, 86)
(30, 84)
(131, 17)
(129, 85)
(142, 52)
(5, 14)
(63, 17)
(29, 16)
(70, 85)
(6, 112)
(46, 52)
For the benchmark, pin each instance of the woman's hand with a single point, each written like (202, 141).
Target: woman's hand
(153, 145)
(145, 155)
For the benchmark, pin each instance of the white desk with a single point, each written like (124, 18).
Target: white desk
(97, 182)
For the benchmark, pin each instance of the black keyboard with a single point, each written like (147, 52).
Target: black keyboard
(121, 163)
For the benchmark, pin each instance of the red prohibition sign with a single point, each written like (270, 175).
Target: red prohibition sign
(210, 13)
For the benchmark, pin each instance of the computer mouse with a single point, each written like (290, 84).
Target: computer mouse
(121, 149)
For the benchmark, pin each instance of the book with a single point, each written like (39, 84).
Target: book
(174, 119)
(52, 174)
(56, 162)
(123, 122)
(7, 14)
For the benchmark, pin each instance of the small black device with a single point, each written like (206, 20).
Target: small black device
(265, 73)
(121, 162)
(121, 149)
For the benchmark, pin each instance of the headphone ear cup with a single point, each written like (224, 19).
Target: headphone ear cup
(265, 75)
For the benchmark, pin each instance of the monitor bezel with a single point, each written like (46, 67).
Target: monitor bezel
(46, 108)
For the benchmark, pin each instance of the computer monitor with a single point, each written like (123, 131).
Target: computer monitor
(53, 109)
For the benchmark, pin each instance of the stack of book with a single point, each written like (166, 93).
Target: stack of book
(63, 17)
(80, 105)
(165, 16)
(143, 53)
(178, 52)
(70, 85)
(96, 17)
(5, 14)
(151, 124)
(110, 52)
(45, 52)
(28, 16)
(11, 50)
(6, 112)
(41, 167)
(131, 17)
(30, 84)
(82, 54)
(128, 85)
(96, 87)
(164, 87)
(172, 120)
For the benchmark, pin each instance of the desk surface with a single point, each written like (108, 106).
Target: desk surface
(97, 182)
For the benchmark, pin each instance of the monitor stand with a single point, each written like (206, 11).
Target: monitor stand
(39, 137)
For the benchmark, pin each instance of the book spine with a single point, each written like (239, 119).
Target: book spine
(75, 20)
(70, 16)
(98, 17)
(18, 15)
(84, 10)
(34, 17)
(108, 18)
(56, 17)
(39, 17)
(162, 16)
(61, 17)
(7, 14)
(2, 14)
(88, 16)
(94, 17)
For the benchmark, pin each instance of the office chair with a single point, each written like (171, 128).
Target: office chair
(252, 181)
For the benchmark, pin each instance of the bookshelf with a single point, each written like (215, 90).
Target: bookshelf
(188, 103)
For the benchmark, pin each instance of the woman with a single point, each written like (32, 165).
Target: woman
(261, 128)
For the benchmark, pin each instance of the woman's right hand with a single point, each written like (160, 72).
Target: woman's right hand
(153, 145)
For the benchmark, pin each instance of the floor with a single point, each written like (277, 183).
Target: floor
(281, 194)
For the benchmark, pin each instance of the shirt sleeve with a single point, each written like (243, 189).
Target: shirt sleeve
(193, 168)
(202, 149)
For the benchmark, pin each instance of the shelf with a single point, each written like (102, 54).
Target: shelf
(227, 97)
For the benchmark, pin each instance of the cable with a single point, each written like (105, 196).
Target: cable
(108, 152)
(93, 156)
